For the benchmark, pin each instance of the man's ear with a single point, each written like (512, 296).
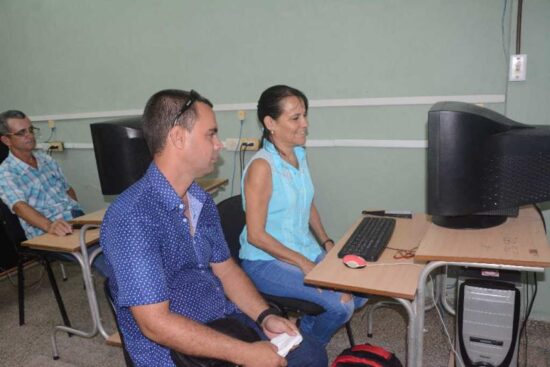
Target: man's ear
(178, 135)
(5, 140)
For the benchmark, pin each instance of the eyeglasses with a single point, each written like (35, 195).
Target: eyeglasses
(193, 97)
(21, 133)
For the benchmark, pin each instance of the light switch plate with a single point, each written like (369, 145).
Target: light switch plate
(518, 68)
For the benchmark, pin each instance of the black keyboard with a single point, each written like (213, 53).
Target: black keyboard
(369, 238)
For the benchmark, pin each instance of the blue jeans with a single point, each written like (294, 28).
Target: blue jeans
(282, 279)
(310, 353)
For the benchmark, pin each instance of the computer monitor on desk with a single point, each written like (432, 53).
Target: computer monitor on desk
(121, 153)
(481, 165)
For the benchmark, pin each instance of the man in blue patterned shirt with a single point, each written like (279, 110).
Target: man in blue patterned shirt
(171, 268)
(32, 184)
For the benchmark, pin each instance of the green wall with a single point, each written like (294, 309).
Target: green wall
(74, 56)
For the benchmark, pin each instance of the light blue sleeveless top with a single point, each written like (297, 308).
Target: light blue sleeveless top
(289, 206)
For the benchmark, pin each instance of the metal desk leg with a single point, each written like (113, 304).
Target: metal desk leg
(411, 345)
(85, 263)
(420, 309)
(443, 297)
(370, 313)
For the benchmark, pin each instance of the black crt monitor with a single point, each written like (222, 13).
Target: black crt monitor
(121, 153)
(482, 166)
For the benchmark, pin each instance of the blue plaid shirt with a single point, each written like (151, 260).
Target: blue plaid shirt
(153, 258)
(44, 188)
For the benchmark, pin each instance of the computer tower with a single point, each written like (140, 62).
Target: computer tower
(488, 317)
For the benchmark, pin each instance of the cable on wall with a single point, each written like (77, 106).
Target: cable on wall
(518, 27)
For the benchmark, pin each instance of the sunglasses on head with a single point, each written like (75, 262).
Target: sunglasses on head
(193, 97)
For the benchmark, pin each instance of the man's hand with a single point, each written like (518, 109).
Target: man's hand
(262, 354)
(274, 325)
(59, 228)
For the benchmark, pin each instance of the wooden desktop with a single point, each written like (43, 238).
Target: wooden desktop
(210, 185)
(69, 243)
(518, 244)
(388, 276)
(519, 241)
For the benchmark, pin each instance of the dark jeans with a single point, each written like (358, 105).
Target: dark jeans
(310, 353)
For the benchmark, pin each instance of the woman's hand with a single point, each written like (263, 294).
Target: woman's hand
(329, 245)
(306, 266)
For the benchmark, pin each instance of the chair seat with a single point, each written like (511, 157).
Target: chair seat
(294, 305)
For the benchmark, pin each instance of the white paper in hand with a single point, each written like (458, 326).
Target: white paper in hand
(285, 342)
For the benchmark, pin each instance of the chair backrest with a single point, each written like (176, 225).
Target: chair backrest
(4, 151)
(107, 290)
(11, 225)
(233, 219)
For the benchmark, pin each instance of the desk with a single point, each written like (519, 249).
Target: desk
(518, 244)
(388, 277)
(76, 245)
(210, 185)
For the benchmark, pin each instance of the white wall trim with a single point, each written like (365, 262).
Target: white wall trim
(312, 143)
(353, 102)
(406, 101)
(367, 143)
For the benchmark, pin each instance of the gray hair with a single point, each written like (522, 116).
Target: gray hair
(9, 114)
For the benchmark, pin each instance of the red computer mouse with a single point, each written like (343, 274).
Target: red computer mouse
(354, 261)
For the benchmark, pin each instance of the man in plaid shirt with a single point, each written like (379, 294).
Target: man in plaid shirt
(32, 184)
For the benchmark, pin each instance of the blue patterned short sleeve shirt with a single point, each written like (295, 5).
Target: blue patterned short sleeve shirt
(44, 188)
(153, 258)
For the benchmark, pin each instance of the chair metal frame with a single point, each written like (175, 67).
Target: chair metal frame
(16, 235)
(108, 295)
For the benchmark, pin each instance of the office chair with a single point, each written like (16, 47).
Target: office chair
(16, 235)
(109, 297)
(233, 219)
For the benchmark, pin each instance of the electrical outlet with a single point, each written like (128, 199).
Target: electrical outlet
(241, 115)
(55, 146)
(231, 144)
(250, 144)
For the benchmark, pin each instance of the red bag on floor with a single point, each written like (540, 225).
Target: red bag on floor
(363, 355)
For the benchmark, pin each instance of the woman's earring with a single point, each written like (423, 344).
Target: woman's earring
(272, 132)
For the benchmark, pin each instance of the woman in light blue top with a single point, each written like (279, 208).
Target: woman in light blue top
(278, 247)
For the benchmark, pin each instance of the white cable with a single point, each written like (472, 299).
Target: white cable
(458, 359)
(393, 264)
(235, 157)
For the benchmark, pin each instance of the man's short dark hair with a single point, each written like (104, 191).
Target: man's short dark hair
(9, 114)
(160, 113)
